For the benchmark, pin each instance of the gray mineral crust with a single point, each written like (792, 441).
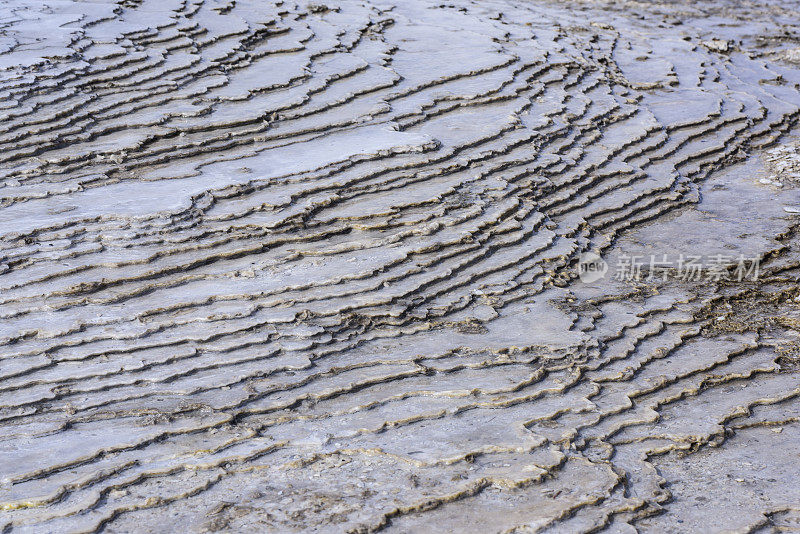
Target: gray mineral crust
(399, 266)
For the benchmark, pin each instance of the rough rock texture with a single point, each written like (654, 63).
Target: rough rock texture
(271, 266)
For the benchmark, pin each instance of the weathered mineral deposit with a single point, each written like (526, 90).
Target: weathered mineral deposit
(270, 266)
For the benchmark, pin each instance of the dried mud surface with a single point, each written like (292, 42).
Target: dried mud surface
(270, 266)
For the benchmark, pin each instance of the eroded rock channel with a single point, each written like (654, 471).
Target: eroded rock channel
(270, 266)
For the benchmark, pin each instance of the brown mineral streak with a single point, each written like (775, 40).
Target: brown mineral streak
(270, 266)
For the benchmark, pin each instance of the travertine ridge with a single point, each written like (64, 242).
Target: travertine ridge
(270, 266)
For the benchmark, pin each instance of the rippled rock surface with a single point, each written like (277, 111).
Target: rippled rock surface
(271, 266)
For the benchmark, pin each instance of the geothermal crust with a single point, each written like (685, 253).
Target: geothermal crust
(270, 266)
